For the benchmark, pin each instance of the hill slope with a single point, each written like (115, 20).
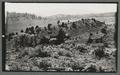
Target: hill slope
(18, 21)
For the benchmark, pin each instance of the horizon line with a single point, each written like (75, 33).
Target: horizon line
(57, 14)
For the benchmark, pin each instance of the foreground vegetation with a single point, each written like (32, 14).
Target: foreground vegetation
(86, 45)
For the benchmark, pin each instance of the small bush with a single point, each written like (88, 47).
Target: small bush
(30, 51)
(101, 69)
(77, 66)
(33, 52)
(44, 54)
(114, 53)
(13, 67)
(62, 52)
(69, 54)
(43, 64)
(65, 53)
(91, 68)
(99, 53)
(55, 55)
(35, 68)
(81, 49)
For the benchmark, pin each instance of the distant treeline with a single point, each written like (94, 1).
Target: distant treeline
(26, 15)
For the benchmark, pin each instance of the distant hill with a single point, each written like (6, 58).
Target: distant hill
(18, 21)
(63, 17)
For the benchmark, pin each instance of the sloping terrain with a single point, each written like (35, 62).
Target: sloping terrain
(89, 48)
(18, 21)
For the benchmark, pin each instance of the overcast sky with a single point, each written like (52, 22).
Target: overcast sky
(48, 9)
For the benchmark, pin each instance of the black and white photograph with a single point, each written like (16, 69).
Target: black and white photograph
(60, 37)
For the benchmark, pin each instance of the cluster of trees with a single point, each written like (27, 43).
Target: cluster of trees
(30, 37)
(33, 40)
(101, 39)
(26, 15)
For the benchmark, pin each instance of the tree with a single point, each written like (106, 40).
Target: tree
(58, 22)
(61, 36)
(74, 25)
(49, 26)
(45, 28)
(68, 21)
(89, 39)
(104, 30)
(63, 24)
(27, 30)
(37, 29)
(44, 40)
(22, 31)
(32, 30)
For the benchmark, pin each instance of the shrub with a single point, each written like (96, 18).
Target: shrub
(101, 69)
(69, 54)
(65, 53)
(45, 54)
(19, 66)
(35, 68)
(37, 51)
(99, 53)
(55, 55)
(43, 64)
(114, 53)
(81, 49)
(13, 67)
(62, 52)
(91, 68)
(31, 52)
(74, 25)
(77, 66)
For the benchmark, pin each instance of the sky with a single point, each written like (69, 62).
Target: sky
(49, 9)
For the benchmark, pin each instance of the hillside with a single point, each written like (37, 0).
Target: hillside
(18, 21)
(84, 45)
